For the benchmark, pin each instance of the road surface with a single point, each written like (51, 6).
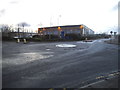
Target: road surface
(45, 65)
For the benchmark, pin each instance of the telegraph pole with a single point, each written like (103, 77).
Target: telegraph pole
(18, 31)
(18, 40)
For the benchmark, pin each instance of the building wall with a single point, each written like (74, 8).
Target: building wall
(67, 29)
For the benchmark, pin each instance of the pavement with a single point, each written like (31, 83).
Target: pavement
(113, 41)
(46, 65)
(110, 81)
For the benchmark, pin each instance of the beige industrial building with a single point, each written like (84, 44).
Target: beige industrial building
(57, 30)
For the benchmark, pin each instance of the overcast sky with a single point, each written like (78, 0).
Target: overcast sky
(99, 15)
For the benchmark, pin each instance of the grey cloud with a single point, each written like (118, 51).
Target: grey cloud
(24, 24)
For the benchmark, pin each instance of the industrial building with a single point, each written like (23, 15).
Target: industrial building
(63, 30)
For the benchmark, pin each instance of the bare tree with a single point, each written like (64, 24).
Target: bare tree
(5, 28)
(23, 24)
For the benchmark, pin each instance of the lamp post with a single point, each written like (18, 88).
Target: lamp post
(111, 36)
(18, 39)
(24, 37)
(23, 30)
(115, 35)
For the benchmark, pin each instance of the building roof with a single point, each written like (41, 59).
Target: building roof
(64, 26)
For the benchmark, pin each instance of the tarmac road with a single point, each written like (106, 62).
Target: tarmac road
(43, 65)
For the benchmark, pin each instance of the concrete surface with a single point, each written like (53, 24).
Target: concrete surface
(43, 65)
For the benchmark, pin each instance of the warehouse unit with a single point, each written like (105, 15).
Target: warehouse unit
(68, 29)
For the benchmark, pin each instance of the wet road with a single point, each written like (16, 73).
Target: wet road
(43, 65)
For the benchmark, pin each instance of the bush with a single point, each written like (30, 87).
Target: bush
(4, 38)
(36, 36)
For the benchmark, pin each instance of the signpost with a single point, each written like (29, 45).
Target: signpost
(111, 36)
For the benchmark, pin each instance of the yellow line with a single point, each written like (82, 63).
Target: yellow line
(64, 88)
(99, 77)
(111, 75)
(50, 89)
(117, 73)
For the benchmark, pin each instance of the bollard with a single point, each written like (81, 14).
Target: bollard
(18, 40)
(86, 39)
(24, 41)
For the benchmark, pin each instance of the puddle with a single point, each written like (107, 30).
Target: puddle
(23, 58)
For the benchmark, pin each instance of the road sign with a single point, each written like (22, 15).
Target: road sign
(111, 32)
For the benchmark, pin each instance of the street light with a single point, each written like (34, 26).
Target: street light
(18, 40)
(59, 28)
(18, 31)
(81, 26)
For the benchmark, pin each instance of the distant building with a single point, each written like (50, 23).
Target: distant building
(58, 30)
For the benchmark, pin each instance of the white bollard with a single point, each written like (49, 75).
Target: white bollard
(18, 40)
(24, 41)
(86, 39)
